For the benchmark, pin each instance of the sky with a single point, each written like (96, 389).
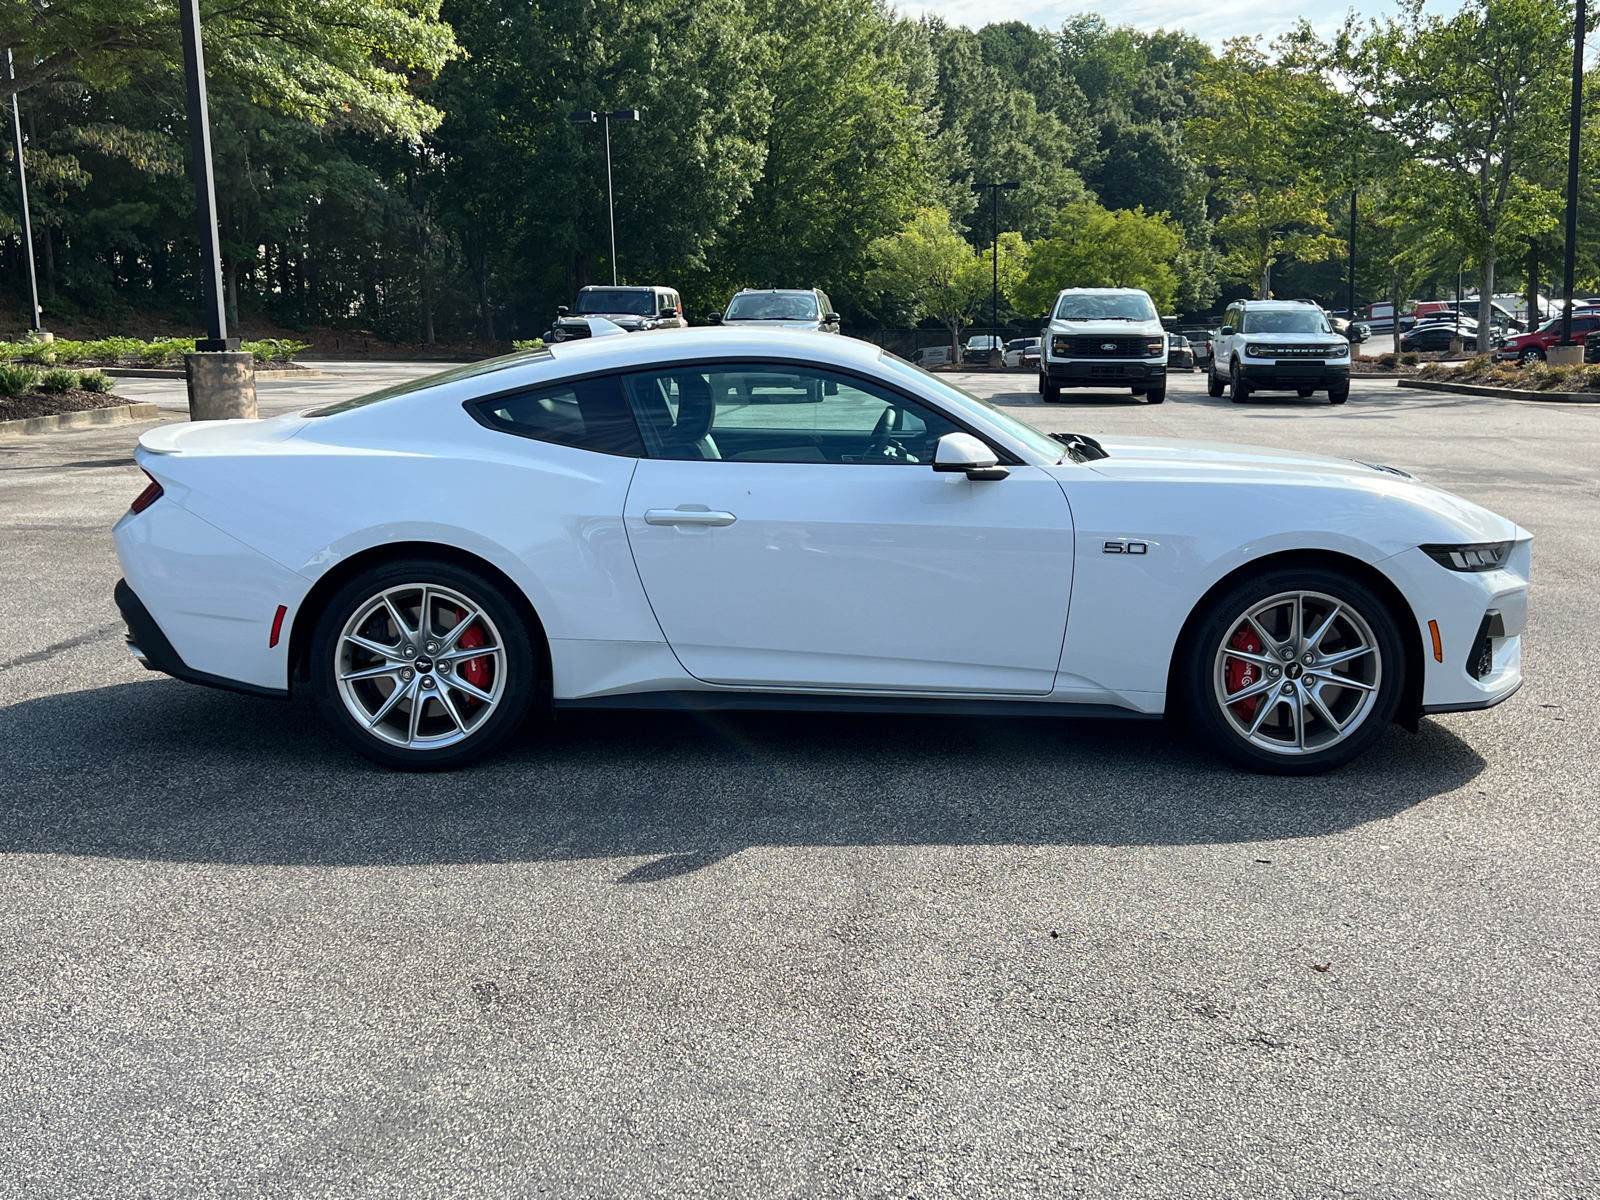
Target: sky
(1213, 22)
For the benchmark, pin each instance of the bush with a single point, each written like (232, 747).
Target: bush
(1387, 361)
(275, 349)
(58, 380)
(45, 353)
(529, 344)
(1411, 359)
(96, 381)
(15, 380)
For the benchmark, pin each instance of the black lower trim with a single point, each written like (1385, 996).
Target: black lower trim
(737, 701)
(1274, 378)
(146, 635)
(1107, 374)
(1470, 705)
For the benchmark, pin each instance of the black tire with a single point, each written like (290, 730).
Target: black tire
(1156, 395)
(1203, 668)
(1530, 354)
(1050, 391)
(1215, 385)
(507, 671)
(1238, 389)
(1339, 394)
(1304, 393)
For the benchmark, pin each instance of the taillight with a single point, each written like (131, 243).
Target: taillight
(147, 497)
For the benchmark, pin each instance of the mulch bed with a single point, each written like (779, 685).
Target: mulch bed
(48, 404)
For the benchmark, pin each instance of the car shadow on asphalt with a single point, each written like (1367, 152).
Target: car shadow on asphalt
(166, 771)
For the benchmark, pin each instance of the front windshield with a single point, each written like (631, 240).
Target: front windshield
(1286, 320)
(773, 306)
(1120, 306)
(617, 300)
(962, 402)
(484, 367)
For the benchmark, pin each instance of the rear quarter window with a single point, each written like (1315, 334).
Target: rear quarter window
(589, 414)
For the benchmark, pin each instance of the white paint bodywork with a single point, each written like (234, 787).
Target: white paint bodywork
(833, 578)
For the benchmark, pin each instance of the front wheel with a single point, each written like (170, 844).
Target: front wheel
(1215, 385)
(1238, 389)
(1294, 672)
(422, 665)
(1156, 395)
(1050, 391)
(1530, 354)
(1338, 395)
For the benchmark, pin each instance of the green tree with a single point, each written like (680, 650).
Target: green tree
(931, 271)
(1251, 138)
(349, 61)
(1479, 100)
(1092, 247)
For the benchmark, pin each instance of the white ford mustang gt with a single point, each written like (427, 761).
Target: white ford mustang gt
(769, 519)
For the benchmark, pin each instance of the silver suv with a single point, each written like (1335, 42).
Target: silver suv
(782, 308)
(1104, 337)
(1279, 345)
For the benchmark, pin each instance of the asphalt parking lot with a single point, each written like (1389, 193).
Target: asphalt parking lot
(647, 955)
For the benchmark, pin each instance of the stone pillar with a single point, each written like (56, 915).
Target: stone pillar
(222, 385)
(1564, 356)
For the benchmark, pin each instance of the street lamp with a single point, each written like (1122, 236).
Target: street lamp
(994, 190)
(22, 201)
(1572, 175)
(590, 118)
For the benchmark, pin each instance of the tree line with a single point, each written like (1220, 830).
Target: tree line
(409, 166)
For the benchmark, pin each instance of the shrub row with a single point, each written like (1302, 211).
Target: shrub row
(15, 380)
(1535, 376)
(118, 351)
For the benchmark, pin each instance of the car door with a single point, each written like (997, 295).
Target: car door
(790, 532)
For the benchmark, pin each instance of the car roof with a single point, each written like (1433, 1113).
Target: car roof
(624, 287)
(777, 291)
(711, 341)
(1105, 291)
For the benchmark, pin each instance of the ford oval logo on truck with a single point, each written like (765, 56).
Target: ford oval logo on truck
(1108, 345)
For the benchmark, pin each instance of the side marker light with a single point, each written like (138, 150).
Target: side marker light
(277, 627)
(1438, 646)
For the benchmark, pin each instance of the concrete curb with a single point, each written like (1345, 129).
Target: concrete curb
(121, 414)
(1497, 393)
(179, 373)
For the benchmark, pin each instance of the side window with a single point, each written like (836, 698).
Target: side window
(590, 414)
(762, 412)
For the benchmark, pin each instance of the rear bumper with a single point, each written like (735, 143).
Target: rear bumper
(1289, 376)
(153, 649)
(1116, 373)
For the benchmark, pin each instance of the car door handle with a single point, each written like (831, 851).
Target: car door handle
(687, 516)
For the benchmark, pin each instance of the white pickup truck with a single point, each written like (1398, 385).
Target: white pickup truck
(1104, 338)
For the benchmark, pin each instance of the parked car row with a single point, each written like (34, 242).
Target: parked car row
(637, 309)
(1534, 347)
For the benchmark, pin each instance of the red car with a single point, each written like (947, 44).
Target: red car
(1531, 347)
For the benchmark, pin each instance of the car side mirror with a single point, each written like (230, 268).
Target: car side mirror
(830, 318)
(562, 310)
(964, 453)
(713, 318)
(1226, 331)
(670, 313)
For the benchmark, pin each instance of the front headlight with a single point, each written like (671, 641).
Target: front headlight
(1339, 351)
(1255, 351)
(1155, 347)
(1473, 557)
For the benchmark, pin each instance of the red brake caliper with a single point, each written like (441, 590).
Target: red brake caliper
(1240, 674)
(475, 670)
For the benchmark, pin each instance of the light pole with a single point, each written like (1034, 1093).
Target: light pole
(1572, 176)
(222, 378)
(994, 190)
(22, 202)
(589, 118)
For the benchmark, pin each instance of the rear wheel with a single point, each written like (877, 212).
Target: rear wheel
(1296, 671)
(422, 665)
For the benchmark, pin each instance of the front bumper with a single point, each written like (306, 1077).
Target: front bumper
(1288, 375)
(1101, 373)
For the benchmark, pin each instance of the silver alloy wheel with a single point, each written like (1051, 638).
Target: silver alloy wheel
(1297, 673)
(420, 666)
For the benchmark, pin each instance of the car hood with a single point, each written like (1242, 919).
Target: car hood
(1168, 460)
(1097, 328)
(763, 323)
